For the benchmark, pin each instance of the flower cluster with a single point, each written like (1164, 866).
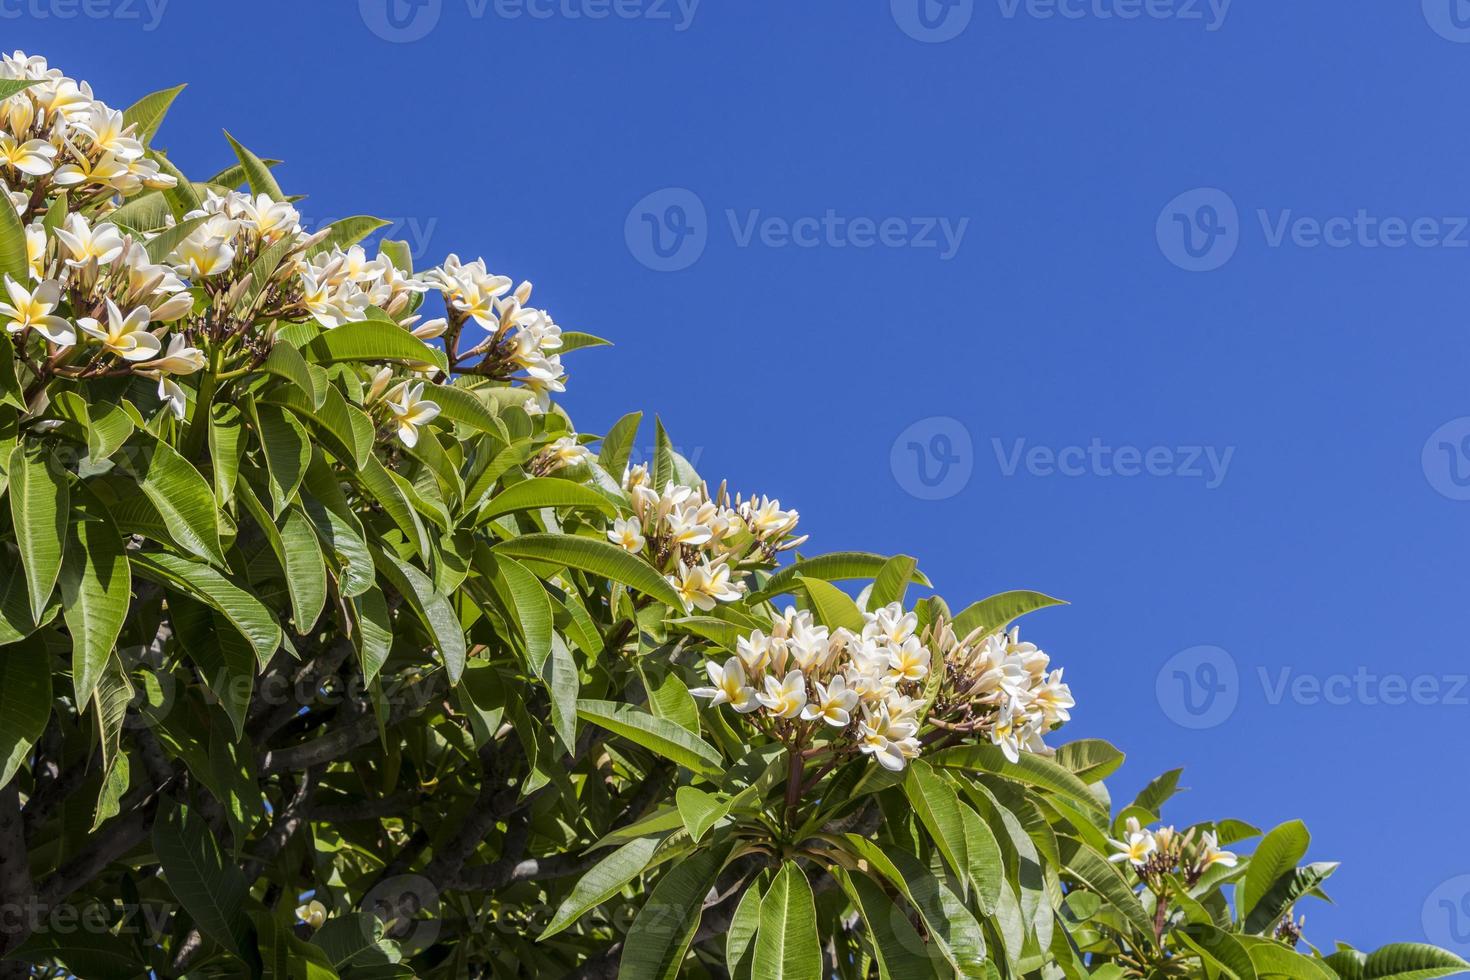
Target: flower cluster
(112, 288)
(999, 686)
(700, 541)
(56, 134)
(522, 338)
(874, 690)
(863, 690)
(1155, 854)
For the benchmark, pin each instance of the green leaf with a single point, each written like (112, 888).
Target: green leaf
(14, 259)
(1284, 892)
(432, 606)
(1278, 853)
(833, 607)
(110, 426)
(96, 589)
(740, 940)
(222, 655)
(951, 925)
(598, 557)
(287, 363)
(659, 938)
(1032, 769)
(160, 246)
(836, 567)
(287, 451)
(892, 583)
(604, 880)
(374, 635)
(1271, 959)
(40, 504)
(998, 611)
(257, 174)
(25, 701)
(1099, 875)
(528, 602)
(10, 86)
(210, 889)
(1089, 759)
(618, 444)
(306, 569)
(655, 734)
(148, 112)
(1158, 792)
(466, 408)
(901, 952)
(541, 492)
(700, 810)
(786, 946)
(938, 808)
(559, 674)
(1219, 949)
(1398, 961)
(348, 232)
(372, 340)
(256, 622)
(182, 497)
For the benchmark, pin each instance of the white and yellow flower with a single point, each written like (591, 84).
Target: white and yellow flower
(126, 336)
(627, 533)
(34, 309)
(729, 687)
(412, 411)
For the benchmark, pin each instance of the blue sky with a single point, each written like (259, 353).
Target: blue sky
(1155, 305)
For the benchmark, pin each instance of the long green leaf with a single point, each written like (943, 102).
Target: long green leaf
(25, 701)
(181, 496)
(372, 340)
(1278, 853)
(541, 492)
(658, 735)
(659, 938)
(786, 946)
(597, 557)
(250, 616)
(14, 259)
(148, 112)
(96, 589)
(257, 174)
(998, 611)
(604, 880)
(210, 889)
(40, 503)
(836, 567)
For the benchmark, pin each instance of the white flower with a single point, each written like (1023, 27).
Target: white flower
(33, 309)
(430, 329)
(35, 158)
(85, 244)
(172, 396)
(567, 451)
(36, 249)
(729, 687)
(1136, 850)
(784, 698)
(125, 336)
(412, 410)
(1211, 854)
(910, 660)
(179, 359)
(684, 528)
(627, 533)
(108, 132)
(890, 741)
(833, 704)
(202, 255)
(703, 586)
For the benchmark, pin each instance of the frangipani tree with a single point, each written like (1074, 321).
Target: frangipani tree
(329, 648)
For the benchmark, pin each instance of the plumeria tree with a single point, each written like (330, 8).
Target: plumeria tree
(329, 648)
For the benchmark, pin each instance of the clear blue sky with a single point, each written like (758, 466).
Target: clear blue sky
(1065, 156)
